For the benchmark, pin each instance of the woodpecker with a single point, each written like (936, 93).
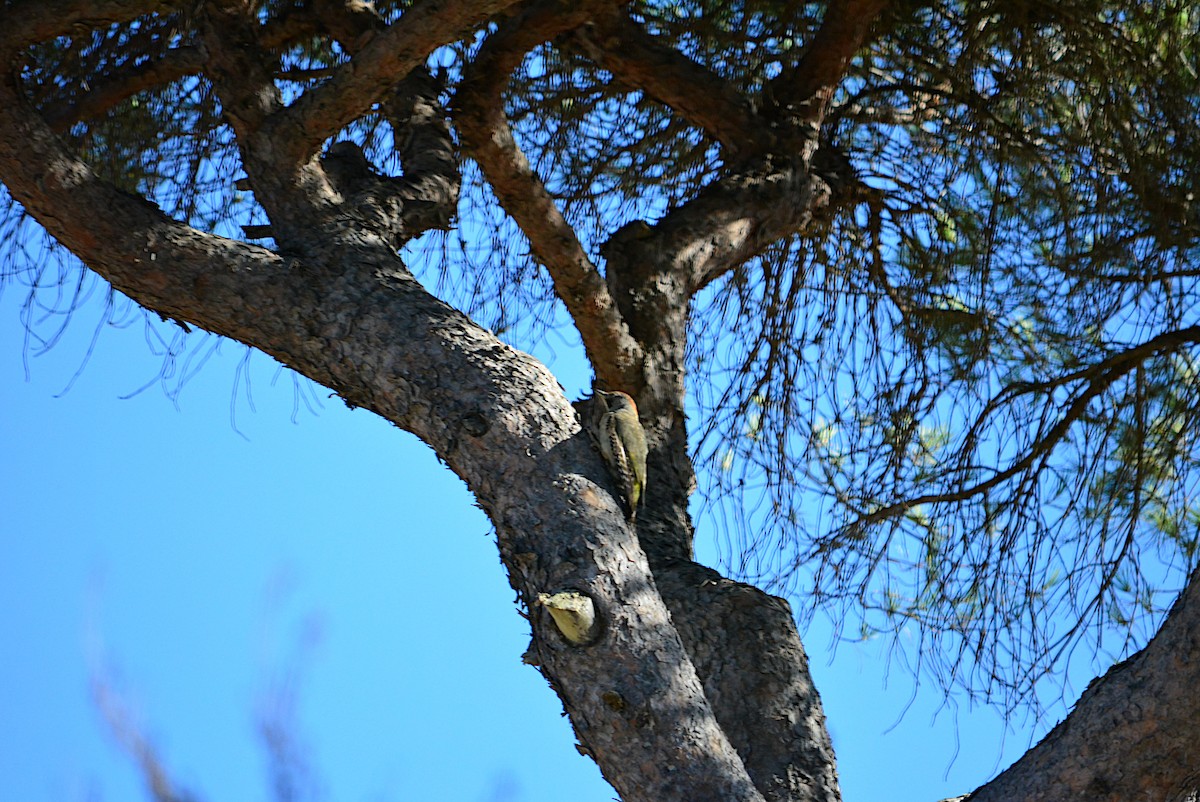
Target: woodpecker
(622, 443)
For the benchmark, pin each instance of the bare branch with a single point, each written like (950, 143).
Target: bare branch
(727, 223)
(124, 84)
(1139, 713)
(24, 22)
(386, 58)
(805, 92)
(1099, 378)
(699, 95)
(160, 783)
(488, 138)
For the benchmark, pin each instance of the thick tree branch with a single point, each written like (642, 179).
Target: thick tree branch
(729, 222)
(301, 198)
(388, 57)
(27, 21)
(427, 195)
(243, 75)
(278, 143)
(123, 84)
(345, 313)
(802, 95)
(432, 178)
(487, 137)
(697, 94)
(297, 196)
(1141, 714)
(759, 686)
(150, 256)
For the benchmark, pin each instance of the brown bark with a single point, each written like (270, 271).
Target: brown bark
(697, 687)
(323, 111)
(124, 85)
(488, 139)
(697, 94)
(803, 94)
(1131, 735)
(346, 313)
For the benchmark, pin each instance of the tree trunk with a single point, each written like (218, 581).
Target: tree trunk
(695, 687)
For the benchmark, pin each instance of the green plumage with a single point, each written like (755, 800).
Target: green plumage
(622, 443)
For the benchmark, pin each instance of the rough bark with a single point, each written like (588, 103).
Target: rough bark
(344, 311)
(1131, 735)
(488, 139)
(697, 687)
(351, 317)
(755, 672)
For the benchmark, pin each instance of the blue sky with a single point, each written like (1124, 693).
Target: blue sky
(198, 554)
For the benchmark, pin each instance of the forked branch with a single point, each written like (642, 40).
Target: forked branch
(803, 94)
(488, 138)
(366, 79)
